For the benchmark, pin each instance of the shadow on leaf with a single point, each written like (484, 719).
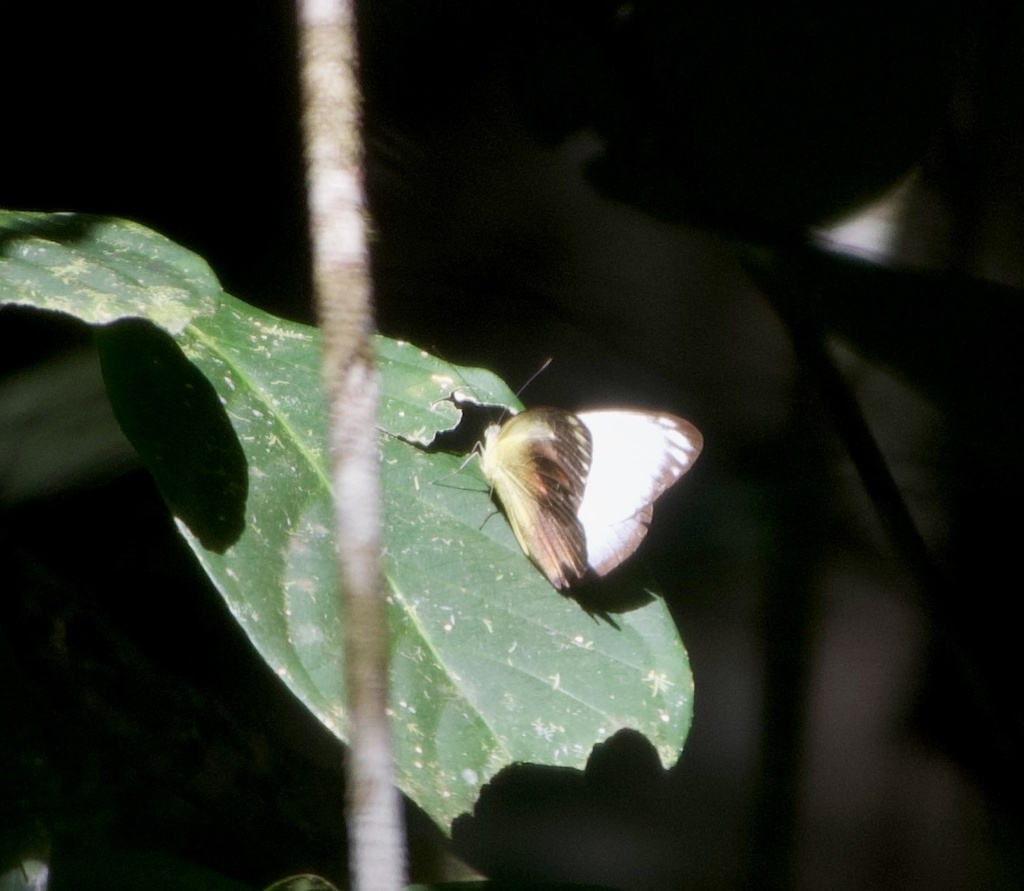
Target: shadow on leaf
(533, 821)
(172, 416)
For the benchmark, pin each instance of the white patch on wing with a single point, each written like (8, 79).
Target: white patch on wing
(636, 457)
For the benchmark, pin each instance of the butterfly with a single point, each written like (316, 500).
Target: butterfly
(579, 489)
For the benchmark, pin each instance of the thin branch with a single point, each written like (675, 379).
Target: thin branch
(342, 284)
(791, 283)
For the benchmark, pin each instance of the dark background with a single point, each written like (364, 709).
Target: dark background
(626, 189)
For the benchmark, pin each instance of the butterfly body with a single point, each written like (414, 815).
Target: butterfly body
(578, 489)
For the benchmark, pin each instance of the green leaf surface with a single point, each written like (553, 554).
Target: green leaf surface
(489, 664)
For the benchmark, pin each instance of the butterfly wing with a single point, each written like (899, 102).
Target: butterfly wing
(538, 462)
(635, 457)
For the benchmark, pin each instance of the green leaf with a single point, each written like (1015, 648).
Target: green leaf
(223, 402)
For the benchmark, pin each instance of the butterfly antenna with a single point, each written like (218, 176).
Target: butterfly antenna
(535, 375)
